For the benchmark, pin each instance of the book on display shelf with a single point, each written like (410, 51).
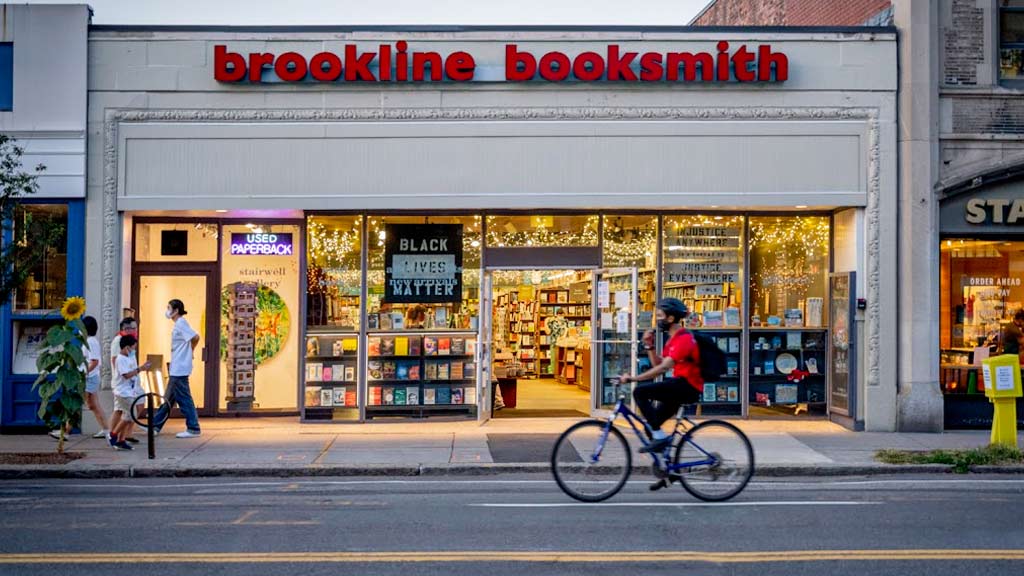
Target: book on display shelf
(350, 373)
(732, 316)
(350, 396)
(387, 346)
(412, 396)
(401, 346)
(793, 340)
(469, 395)
(373, 346)
(721, 394)
(733, 394)
(312, 346)
(326, 397)
(375, 370)
(414, 346)
(458, 346)
(444, 346)
(430, 371)
(734, 345)
(328, 373)
(349, 345)
(400, 398)
(443, 371)
(429, 346)
(389, 396)
(785, 393)
(389, 370)
(414, 372)
(339, 396)
(336, 348)
(723, 343)
(444, 395)
(456, 395)
(709, 393)
(402, 372)
(429, 396)
(376, 396)
(456, 371)
(313, 396)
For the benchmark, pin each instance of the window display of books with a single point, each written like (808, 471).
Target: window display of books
(421, 371)
(330, 371)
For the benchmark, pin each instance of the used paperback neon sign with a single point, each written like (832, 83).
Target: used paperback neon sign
(398, 64)
(262, 244)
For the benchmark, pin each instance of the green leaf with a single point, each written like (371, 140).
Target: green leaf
(57, 336)
(76, 354)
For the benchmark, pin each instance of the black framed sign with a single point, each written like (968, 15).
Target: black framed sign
(843, 351)
(422, 263)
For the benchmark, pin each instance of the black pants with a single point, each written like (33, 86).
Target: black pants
(659, 401)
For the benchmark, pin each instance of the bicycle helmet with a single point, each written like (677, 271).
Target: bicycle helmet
(674, 307)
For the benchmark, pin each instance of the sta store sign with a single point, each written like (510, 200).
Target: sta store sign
(398, 63)
(262, 244)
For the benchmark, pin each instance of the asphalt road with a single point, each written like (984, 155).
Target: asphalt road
(931, 526)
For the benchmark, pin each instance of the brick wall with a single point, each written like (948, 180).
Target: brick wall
(988, 115)
(964, 44)
(790, 12)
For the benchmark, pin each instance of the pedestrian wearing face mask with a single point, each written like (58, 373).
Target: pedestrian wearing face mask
(183, 344)
(129, 327)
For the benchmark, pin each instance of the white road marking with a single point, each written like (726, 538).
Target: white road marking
(767, 485)
(668, 504)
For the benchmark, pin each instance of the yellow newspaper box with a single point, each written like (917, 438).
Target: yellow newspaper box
(1003, 387)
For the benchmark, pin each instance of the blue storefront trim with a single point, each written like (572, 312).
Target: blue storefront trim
(19, 403)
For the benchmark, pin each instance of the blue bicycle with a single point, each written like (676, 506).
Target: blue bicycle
(713, 460)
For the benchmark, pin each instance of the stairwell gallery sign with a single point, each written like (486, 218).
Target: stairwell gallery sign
(397, 63)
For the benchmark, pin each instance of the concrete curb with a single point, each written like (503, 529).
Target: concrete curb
(443, 470)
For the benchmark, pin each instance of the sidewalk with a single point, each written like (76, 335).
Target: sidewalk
(283, 447)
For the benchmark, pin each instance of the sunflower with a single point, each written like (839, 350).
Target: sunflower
(73, 308)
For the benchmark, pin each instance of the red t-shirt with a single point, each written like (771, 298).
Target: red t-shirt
(682, 348)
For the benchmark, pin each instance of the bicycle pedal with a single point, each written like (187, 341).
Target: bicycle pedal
(663, 483)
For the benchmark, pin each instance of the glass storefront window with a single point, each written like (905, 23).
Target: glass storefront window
(45, 286)
(334, 271)
(703, 267)
(789, 264)
(515, 231)
(176, 242)
(982, 287)
(259, 338)
(423, 315)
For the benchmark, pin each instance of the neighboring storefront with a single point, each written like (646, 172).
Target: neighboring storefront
(339, 219)
(43, 107)
(981, 288)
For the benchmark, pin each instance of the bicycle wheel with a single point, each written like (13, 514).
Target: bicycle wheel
(589, 464)
(732, 456)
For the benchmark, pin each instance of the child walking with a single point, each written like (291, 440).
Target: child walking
(125, 392)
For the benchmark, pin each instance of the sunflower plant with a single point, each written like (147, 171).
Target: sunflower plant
(61, 382)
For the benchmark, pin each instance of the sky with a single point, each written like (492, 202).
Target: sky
(342, 12)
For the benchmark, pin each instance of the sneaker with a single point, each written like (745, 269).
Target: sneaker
(156, 431)
(101, 434)
(123, 446)
(657, 445)
(112, 441)
(55, 434)
(132, 439)
(188, 434)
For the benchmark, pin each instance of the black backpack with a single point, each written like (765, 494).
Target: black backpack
(712, 359)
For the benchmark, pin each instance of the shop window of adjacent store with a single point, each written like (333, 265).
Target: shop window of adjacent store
(535, 231)
(176, 242)
(334, 284)
(789, 265)
(1011, 41)
(982, 287)
(45, 284)
(259, 316)
(703, 267)
(423, 285)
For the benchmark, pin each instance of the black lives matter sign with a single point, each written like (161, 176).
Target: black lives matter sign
(422, 263)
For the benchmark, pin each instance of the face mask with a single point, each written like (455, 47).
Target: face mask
(664, 325)
(168, 313)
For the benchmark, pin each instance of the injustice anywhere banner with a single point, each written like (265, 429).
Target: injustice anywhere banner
(423, 263)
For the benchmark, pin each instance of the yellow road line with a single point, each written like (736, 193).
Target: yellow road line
(773, 556)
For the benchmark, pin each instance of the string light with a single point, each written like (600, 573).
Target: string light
(502, 232)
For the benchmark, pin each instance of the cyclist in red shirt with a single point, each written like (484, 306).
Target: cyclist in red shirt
(659, 401)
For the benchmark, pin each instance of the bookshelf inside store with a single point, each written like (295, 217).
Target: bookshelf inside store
(331, 384)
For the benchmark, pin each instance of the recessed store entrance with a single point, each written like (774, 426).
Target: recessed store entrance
(540, 338)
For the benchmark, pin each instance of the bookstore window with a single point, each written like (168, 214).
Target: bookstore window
(514, 231)
(45, 285)
(703, 267)
(433, 309)
(334, 271)
(789, 265)
(982, 287)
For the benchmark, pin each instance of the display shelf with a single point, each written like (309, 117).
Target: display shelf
(787, 328)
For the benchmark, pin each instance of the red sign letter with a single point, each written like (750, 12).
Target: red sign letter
(650, 67)
(459, 66)
(357, 67)
(329, 74)
(513, 58)
(618, 68)
(741, 65)
(579, 66)
(554, 66)
(765, 59)
(294, 73)
(221, 59)
(256, 63)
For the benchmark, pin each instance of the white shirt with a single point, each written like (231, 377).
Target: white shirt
(181, 348)
(92, 351)
(126, 387)
(115, 351)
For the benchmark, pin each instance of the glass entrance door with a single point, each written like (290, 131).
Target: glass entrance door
(152, 292)
(483, 351)
(615, 338)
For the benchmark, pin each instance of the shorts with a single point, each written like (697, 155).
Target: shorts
(123, 404)
(92, 383)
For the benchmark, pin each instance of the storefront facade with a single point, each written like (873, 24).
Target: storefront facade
(981, 288)
(43, 108)
(746, 182)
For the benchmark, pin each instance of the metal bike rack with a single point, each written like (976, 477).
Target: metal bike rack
(148, 424)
